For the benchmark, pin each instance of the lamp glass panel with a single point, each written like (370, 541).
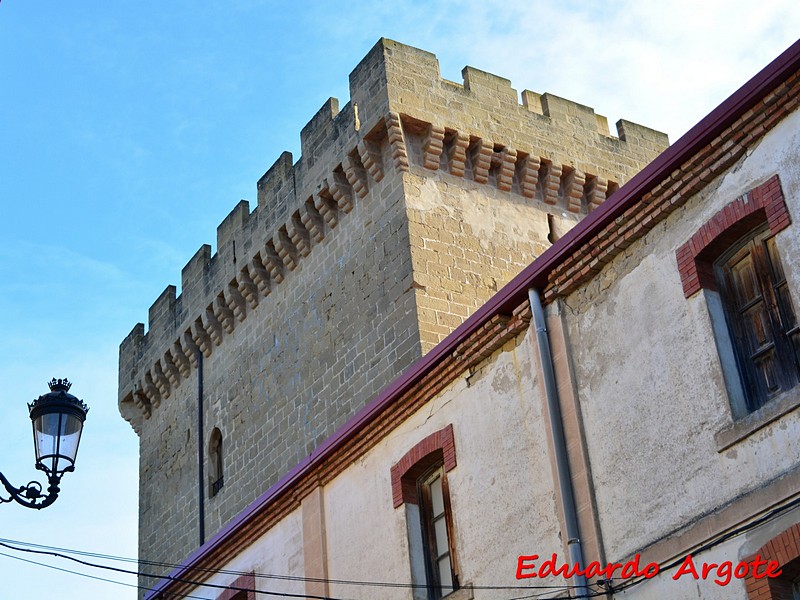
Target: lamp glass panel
(56, 436)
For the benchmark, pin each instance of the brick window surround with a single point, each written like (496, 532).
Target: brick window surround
(785, 548)
(438, 447)
(763, 204)
(247, 585)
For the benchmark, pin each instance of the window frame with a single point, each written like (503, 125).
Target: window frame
(428, 519)
(760, 210)
(216, 479)
(431, 458)
(769, 276)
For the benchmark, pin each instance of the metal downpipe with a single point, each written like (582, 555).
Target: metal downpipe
(201, 498)
(559, 443)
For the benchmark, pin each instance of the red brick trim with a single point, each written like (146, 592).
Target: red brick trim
(246, 585)
(762, 204)
(439, 446)
(785, 548)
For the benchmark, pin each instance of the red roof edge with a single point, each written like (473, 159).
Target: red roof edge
(515, 292)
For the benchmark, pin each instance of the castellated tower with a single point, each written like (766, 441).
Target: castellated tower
(409, 207)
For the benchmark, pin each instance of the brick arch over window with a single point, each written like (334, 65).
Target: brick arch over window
(763, 204)
(785, 548)
(246, 585)
(438, 447)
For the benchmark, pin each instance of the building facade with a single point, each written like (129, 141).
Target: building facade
(386, 410)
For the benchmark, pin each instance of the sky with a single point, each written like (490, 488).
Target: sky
(129, 130)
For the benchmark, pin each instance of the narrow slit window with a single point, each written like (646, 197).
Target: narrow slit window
(215, 475)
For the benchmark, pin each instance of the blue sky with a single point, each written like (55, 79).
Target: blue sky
(128, 130)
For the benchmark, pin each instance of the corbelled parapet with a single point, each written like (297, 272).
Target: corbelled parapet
(402, 118)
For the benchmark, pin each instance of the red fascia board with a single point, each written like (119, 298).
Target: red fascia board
(516, 291)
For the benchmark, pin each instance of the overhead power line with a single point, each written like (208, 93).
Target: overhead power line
(64, 553)
(40, 549)
(95, 577)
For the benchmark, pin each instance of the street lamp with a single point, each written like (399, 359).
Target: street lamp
(57, 419)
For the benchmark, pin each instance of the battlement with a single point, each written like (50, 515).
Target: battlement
(408, 208)
(403, 119)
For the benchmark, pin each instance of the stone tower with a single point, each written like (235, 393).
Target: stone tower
(409, 207)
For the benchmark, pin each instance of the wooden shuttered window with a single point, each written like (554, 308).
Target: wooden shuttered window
(761, 318)
(437, 527)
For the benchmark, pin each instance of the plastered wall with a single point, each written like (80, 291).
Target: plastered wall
(645, 361)
(501, 490)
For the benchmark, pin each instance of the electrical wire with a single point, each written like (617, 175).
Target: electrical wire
(167, 577)
(95, 577)
(551, 589)
(64, 554)
(773, 514)
(56, 551)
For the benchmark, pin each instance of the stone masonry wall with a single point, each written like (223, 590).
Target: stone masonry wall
(409, 208)
(491, 182)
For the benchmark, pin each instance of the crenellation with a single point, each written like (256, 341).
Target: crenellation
(366, 82)
(162, 311)
(602, 125)
(486, 84)
(315, 135)
(532, 102)
(194, 270)
(561, 109)
(233, 224)
(416, 184)
(633, 132)
(276, 190)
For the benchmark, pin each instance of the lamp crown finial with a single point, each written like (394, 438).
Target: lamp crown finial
(58, 385)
